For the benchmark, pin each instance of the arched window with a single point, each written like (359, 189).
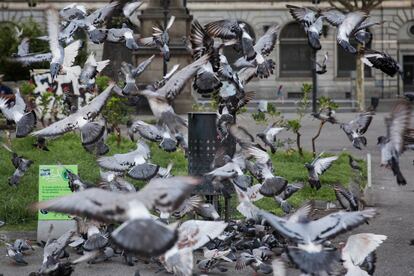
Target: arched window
(347, 61)
(295, 53)
(231, 52)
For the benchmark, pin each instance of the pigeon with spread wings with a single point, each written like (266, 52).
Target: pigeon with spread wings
(16, 110)
(132, 210)
(317, 167)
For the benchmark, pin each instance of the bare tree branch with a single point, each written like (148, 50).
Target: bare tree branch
(349, 6)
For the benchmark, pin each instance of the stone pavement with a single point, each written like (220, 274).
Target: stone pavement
(395, 206)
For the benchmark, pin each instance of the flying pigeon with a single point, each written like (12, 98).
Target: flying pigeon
(392, 146)
(160, 38)
(90, 69)
(349, 199)
(130, 73)
(356, 128)
(317, 167)
(21, 165)
(16, 110)
(381, 61)
(321, 67)
(312, 21)
(268, 136)
(154, 133)
(124, 34)
(132, 210)
(357, 248)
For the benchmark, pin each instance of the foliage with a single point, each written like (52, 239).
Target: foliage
(259, 117)
(327, 103)
(102, 82)
(8, 45)
(304, 103)
(293, 125)
(116, 111)
(27, 88)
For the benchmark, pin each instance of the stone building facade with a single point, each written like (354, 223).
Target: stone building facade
(395, 36)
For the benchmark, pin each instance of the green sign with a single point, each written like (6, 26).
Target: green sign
(53, 183)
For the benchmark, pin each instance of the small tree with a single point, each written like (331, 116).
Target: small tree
(325, 103)
(295, 125)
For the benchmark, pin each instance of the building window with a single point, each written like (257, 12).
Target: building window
(233, 53)
(295, 53)
(347, 61)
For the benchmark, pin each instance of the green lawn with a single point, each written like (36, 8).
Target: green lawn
(68, 150)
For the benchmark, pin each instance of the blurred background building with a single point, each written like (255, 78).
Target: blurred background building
(292, 53)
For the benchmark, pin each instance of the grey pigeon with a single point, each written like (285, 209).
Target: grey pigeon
(309, 235)
(130, 73)
(321, 67)
(268, 136)
(356, 128)
(349, 199)
(123, 34)
(134, 163)
(73, 11)
(15, 255)
(160, 38)
(312, 21)
(155, 133)
(317, 167)
(17, 111)
(132, 210)
(21, 166)
(354, 163)
(90, 69)
(246, 259)
(392, 146)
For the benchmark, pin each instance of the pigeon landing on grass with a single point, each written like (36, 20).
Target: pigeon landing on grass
(21, 165)
(317, 167)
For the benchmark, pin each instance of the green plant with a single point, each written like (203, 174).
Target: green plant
(27, 88)
(259, 117)
(327, 103)
(102, 82)
(116, 112)
(44, 105)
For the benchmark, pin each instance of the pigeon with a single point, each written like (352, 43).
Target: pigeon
(41, 144)
(348, 198)
(246, 259)
(122, 34)
(347, 24)
(309, 253)
(317, 167)
(87, 23)
(279, 267)
(129, 11)
(53, 250)
(381, 61)
(281, 199)
(358, 247)
(262, 48)
(15, 255)
(75, 183)
(21, 165)
(90, 69)
(233, 30)
(93, 136)
(22, 245)
(192, 235)
(268, 136)
(62, 58)
(132, 210)
(130, 73)
(16, 110)
(22, 48)
(155, 133)
(312, 21)
(354, 163)
(392, 146)
(73, 11)
(79, 119)
(409, 96)
(160, 38)
(356, 128)
(159, 99)
(325, 115)
(321, 67)
(134, 163)
(114, 182)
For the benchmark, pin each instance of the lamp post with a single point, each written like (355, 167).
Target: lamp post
(166, 12)
(314, 75)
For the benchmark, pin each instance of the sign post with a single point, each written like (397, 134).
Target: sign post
(53, 183)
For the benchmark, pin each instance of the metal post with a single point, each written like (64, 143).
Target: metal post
(314, 82)
(369, 171)
(166, 11)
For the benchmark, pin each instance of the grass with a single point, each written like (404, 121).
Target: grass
(15, 202)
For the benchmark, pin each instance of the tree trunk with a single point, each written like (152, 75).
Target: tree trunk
(316, 137)
(298, 144)
(360, 81)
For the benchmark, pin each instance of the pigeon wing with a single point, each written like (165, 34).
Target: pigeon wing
(196, 233)
(100, 15)
(336, 223)
(142, 66)
(175, 84)
(71, 52)
(225, 29)
(334, 17)
(400, 121)
(359, 246)
(266, 43)
(322, 164)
